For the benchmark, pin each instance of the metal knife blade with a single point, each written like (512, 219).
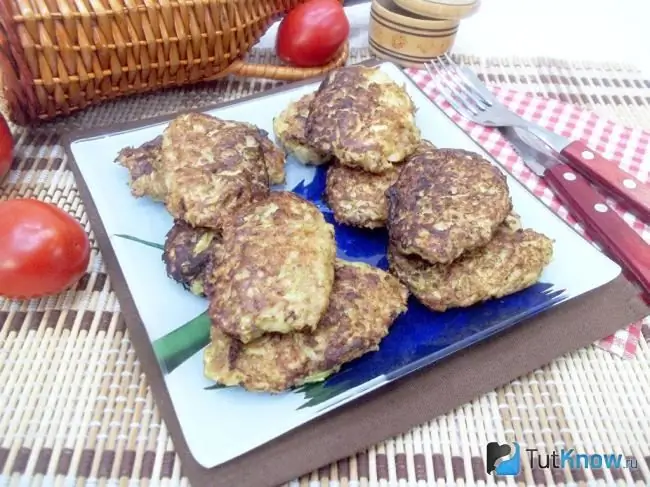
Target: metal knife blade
(535, 154)
(554, 141)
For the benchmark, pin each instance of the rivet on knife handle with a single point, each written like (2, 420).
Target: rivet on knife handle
(634, 193)
(603, 224)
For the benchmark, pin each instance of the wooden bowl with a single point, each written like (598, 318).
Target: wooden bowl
(407, 39)
(440, 9)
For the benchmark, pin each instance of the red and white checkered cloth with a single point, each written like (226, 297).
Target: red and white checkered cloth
(627, 146)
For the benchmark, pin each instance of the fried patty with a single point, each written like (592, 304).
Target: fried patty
(274, 270)
(187, 253)
(446, 202)
(363, 118)
(212, 168)
(512, 261)
(357, 197)
(204, 168)
(365, 302)
(289, 128)
(144, 163)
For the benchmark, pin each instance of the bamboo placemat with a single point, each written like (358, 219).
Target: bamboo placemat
(75, 408)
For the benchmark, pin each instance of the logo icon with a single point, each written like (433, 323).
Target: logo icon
(503, 459)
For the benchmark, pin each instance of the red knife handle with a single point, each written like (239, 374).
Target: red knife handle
(603, 224)
(630, 191)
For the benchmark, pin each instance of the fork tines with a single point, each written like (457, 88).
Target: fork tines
(457, 86)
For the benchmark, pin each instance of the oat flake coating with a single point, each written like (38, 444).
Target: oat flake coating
(446, 202)
(144, 165)
(363, 118)
(513, 260)
(274, 270)
(289, 128)
(364, 304)
(204, 168)
(357, 197)
(187, 252)
(213, 167)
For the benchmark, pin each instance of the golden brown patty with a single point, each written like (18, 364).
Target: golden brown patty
(289, 128)
(513, 260)
(186, 255)
(205, 168)
(357, 197)
(212, 168)
(365, 302)
(144, 164)
(445, 202)
(274, 269)
(363, 118)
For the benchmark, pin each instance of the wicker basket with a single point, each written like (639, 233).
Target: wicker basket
(59, 56)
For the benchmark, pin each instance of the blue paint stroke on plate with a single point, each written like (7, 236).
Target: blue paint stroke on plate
(420, 336)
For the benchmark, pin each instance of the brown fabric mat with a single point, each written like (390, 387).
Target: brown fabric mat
(75, 408)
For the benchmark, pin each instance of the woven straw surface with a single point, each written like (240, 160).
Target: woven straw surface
(75, 408)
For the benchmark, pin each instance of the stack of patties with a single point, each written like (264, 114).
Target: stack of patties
(454, 240)
(362, 122)
(285, 311)
(203, 169)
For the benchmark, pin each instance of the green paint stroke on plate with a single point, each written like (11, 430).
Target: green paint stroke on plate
(179, 345)
(318, 392)
(140, 241)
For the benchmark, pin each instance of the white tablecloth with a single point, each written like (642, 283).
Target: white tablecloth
(596, 30)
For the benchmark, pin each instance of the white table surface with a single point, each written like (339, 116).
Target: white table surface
(595, 30)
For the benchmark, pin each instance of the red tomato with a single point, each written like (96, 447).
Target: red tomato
(6, 148)
(43, 250)
(312, 33)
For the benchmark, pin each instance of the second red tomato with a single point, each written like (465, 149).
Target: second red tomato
(312, 33)
(43, 249)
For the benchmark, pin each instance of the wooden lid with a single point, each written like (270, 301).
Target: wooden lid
(440, 9)
(406, 39)
(393, 15)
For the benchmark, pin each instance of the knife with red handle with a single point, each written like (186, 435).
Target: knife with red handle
(631, 192)
(589, 207)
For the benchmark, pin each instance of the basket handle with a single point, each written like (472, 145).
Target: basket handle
(282, 73)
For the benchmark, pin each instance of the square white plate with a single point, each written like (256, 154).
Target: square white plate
(223, 423)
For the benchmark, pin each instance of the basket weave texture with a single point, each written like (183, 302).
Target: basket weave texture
(59, 56)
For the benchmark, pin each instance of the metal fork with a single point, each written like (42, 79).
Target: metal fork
(465, 92)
